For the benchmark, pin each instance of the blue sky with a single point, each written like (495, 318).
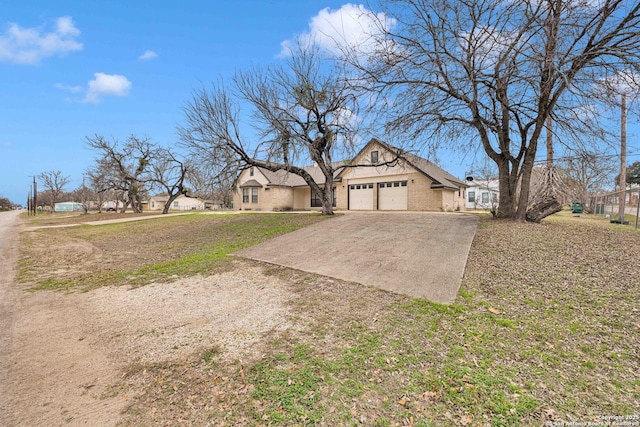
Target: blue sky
(71, 69)
(89, 73)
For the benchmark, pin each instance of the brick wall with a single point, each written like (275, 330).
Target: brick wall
(421, 197)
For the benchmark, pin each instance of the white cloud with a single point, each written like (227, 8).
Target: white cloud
(147, 55)
(29, 45)
(107, 85)
(350, 26)
(486, 44)
(72, 89)
(624, 82)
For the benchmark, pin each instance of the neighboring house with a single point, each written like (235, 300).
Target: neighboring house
(68, 207)
(410, 184)
(482, 194)
(112, 205)
(181, 203)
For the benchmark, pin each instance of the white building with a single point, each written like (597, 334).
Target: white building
(482, 194)
(181, 203)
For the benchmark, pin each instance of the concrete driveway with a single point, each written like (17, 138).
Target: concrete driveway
(418, 254)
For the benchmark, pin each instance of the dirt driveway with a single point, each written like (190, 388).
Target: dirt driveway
(71, 359)
(418, 254)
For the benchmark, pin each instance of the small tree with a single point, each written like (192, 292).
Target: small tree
(169, 172)
(633, 173)
(123, 167)
(587, 172)
(53, 183)
(304, 111)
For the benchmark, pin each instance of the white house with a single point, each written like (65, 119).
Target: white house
(482, 194)
(181, 203)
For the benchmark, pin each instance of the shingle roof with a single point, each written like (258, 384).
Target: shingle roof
(440, 177)
(287, 179)
(251, 183)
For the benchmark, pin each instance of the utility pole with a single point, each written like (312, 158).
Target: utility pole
(623, 156)
(34, 200)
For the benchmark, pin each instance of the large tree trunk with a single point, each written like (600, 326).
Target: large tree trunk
(541, 210)
(506, 198)
(327, 196)
(170, 200)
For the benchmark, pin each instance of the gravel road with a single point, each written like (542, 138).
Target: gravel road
(9, 297)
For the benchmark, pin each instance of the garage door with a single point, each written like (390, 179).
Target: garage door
(392, 196)
(361, 197)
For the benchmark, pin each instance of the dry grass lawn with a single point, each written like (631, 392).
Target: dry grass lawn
(546, 329)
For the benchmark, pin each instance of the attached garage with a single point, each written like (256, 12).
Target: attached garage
(361, 197)
(392, 196)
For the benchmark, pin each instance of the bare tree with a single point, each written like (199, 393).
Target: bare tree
(5, 204)
(84, 195)
(53, 183)
(207, 184)
(169, 172)
(587, 172)
(122, 167)
(303, 110)
(98, 185)
(497, 69)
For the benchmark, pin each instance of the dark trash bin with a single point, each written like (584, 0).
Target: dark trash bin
(577, 208)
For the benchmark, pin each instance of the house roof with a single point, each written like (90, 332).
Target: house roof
(251, 183)
(440, 177)
(284, 178)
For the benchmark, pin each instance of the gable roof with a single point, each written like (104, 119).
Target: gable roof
(283, 178)
(439, 177)
(251, 183)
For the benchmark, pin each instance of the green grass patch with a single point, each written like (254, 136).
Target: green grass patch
(142, 252)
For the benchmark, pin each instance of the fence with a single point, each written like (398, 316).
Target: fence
(609, 205)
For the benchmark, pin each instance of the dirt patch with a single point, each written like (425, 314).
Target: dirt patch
(74, 349)
(167, 322)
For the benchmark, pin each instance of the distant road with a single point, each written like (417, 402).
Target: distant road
(9, 298)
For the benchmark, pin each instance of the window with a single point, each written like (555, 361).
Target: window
(251, 171)
(485, 198)
(374, 157)
(396, 184)
(472, 196)
(254, 195)
(316, 199)
(245, 195)
(403, 183)
(176, 204)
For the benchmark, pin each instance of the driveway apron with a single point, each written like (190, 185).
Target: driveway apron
(422, 255)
